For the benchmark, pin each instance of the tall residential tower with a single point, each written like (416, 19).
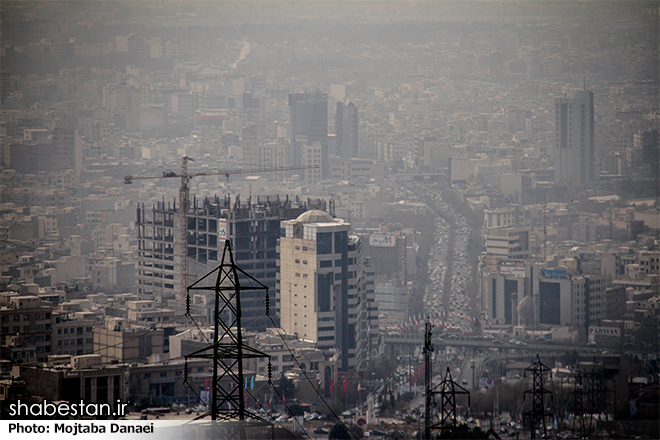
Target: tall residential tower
(574, 139)
(309, 124)
(346, 130)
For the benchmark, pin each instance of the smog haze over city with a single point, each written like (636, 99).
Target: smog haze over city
(403, 197)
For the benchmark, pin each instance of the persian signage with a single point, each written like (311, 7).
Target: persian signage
(382, 240)
(513, 271)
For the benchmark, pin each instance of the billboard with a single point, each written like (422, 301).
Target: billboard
(554, 273)
(382, 240)
(222, 229)
(513, 271)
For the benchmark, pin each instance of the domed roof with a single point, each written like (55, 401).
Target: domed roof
(526, 309)
(315, 216)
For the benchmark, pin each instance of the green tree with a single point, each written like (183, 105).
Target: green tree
(296, 410)
(286, 386)
(339, 431)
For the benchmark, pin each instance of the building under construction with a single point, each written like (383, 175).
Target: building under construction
(253, 228)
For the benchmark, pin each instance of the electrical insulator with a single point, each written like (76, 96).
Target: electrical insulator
(270, 372)
(267, 304)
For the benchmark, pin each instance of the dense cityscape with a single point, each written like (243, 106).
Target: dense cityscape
(401, 201)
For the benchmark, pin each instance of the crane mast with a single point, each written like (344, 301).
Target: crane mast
(184, 204)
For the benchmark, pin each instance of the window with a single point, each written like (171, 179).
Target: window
(325, 263)
(324, 243)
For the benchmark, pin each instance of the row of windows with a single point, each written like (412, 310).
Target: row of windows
(26, 317)
(78, 341)
(27, 329)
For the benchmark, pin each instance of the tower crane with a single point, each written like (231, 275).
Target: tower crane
(184, 202)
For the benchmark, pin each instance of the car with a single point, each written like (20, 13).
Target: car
(321, 431)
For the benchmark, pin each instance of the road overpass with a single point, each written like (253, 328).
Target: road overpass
(545, 348)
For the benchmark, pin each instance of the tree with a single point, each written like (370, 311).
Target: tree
(306, 392)
(286, 386)
(296, 410)
(339, 431)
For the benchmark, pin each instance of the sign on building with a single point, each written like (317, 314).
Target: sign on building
(382, 240)
(606, 331)
(222, 228)
(513, 271)
(554, 273)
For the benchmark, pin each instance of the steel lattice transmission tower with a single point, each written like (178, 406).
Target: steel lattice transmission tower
(579, 425)
(428, 378)
(538, 413)
(447, 389)
(228, 350)
(590, 398)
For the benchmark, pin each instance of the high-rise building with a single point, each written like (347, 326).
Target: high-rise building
(252, 227)
(574, 139)
(309, 124)
(326, 289)
(346, 130)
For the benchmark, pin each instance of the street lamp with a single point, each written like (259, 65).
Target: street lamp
(473, 379)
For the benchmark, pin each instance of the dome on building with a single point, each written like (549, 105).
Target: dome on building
(526, 311)
(315, 216)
